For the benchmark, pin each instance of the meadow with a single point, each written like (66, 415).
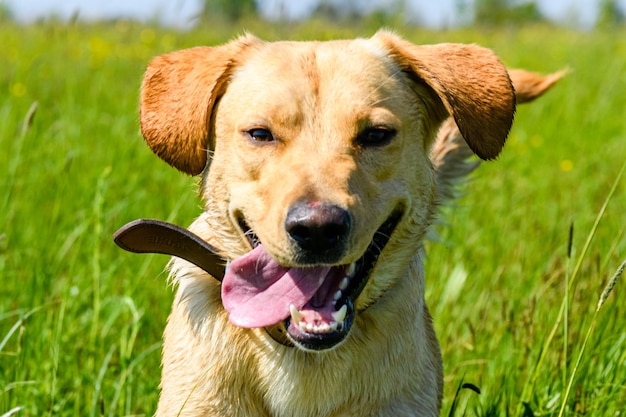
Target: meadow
(514, 276)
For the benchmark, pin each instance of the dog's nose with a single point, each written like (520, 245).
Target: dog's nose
(318, 227)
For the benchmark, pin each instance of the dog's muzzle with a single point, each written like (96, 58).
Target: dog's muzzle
(316, 301)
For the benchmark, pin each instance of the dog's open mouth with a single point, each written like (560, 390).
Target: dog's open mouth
(315, 304)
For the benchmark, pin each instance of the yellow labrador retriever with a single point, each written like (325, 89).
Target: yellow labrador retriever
(322, 169)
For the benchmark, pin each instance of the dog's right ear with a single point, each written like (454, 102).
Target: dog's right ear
(471, 83)
(178, 93)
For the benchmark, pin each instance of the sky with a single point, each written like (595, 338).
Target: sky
(435, 14)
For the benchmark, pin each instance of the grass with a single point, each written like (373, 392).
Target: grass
(81, 321)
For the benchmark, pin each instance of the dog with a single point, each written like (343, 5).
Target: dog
(322, 165)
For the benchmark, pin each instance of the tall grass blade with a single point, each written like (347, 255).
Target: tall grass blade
(96, 255)
(610, 285)
(16, 326)
(96, 400)
(530, 384)
(16, 157)
(570, 243)
(12, 412)
(605, 293)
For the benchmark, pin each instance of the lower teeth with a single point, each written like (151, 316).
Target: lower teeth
(323, 328)
(337, 323)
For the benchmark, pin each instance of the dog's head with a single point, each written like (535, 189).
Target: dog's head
(320, 185)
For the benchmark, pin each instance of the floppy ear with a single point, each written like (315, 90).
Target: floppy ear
(178, 93)
(472, 84)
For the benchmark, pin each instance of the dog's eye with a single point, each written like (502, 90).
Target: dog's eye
(261, 135)
(375, 136)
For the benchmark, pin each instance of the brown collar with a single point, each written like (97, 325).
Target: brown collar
(155, 236)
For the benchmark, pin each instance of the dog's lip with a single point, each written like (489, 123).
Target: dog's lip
(330, 333)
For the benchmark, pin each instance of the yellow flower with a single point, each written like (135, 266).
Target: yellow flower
(566, 165)
(100, 49)
(18, 90)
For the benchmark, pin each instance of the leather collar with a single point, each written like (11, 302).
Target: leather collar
(156, 236)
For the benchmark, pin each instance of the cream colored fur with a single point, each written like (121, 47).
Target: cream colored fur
(315, 97)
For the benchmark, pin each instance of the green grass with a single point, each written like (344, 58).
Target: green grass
(81, 320)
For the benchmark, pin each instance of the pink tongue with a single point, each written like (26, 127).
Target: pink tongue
(257, 291)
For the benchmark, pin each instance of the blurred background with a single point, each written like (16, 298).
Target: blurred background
(582, 14)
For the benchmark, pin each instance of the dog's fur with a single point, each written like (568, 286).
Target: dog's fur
(199, 109)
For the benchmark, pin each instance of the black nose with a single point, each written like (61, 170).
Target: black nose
(318, 228)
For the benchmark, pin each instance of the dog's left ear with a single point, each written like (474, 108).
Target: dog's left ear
(471, 82)
(178, 93)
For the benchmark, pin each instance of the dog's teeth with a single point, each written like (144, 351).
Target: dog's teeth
(319, 329)
(336, 297)
(344, 283)
(296, 317)
(323, 328)
(340, 315)
(351, 269)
